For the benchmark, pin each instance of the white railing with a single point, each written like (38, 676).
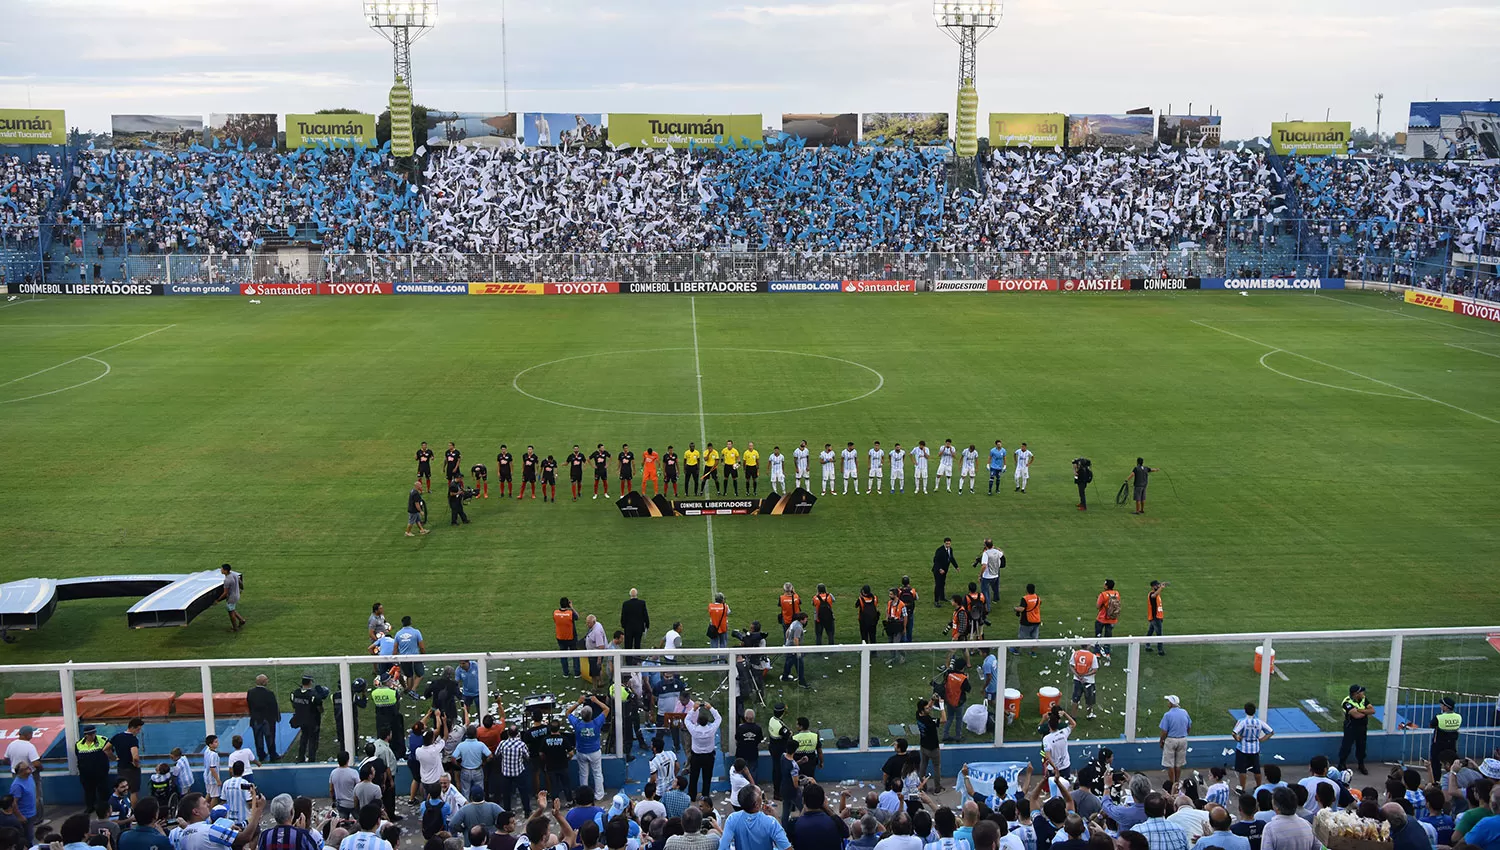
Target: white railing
(717, 660)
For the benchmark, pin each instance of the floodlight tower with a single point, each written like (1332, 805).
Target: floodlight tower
(967, 22)
(401, 22)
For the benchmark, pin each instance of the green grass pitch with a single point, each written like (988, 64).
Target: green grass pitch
(1331, 463)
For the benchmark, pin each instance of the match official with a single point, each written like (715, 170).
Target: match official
(942, 562)
(1140, 475)
(691, 483)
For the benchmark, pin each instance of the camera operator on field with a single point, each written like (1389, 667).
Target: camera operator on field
(1083, 475)
(457, 495)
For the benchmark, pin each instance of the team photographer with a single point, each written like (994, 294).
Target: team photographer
(457, 495)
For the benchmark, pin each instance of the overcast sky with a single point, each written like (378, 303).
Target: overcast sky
(1254, 61)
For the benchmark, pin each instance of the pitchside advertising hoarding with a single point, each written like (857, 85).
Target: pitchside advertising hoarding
(693, 287)
(568, 288)
(1008, 285)
(278, 289)
(1429, 299)
(1454, 130)
(330, 130)
(1244, 283)
(1027, 129)
(33, 127)
(868, 286)
(131, 289)
(643, 130)
(805, 286)
(1476, 309)
(201, 289)
(432, 289)
(1310, 138)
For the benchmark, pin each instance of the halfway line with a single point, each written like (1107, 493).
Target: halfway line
(713, 570)
(1350, 372)
(87, 356)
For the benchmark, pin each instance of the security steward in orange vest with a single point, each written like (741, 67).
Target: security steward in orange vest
(791, 606)
(565, 623)
(823, 614)
(1030, 612)
(955, 692)
(718, 622)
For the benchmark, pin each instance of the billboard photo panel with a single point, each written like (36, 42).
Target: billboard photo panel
(1454, 130)
(164, 131)
(1189, 131)
(819, 129)
(1111, 131)
(475, 129)
(563, 129)
(249, 128)
(916, 128)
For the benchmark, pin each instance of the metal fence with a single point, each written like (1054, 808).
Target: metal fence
(865, 692)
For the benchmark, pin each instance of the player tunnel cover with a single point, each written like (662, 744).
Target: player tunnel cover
(634, 504)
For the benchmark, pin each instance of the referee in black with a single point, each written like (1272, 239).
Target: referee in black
(1140, 474)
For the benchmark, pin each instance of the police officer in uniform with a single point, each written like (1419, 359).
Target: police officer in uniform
(780, 737)
(1444, 728)
(388, 713)
(93, 771)
(1357, 711)
(307, 717)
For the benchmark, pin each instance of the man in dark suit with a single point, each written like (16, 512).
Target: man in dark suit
(942, 562)
(265, 713)
(634, 620)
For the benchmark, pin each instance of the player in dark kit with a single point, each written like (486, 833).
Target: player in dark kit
(549, 479)
(601, 458)
(481, 479)
(528, 472)
(450, 462)
(669, 471)
(503, 472)
(424, 466)
(627, 469)
(575, 471)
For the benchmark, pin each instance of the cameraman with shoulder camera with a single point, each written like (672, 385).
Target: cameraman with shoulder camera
(1083, 476)
(456, 496)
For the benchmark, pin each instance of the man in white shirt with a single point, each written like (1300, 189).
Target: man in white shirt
(877, 460)
(1055, 743)
(826, 458)
(672, 641)
(994, 561)
(803, 475)
(898, 469)
(919, 457)
(1023, 468)
(970, 464)
(702, 722)
(851, 468)
(648, 804)
(946, 454)
(777, 460)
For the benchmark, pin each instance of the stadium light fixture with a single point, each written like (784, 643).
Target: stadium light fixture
(967, 22)
(401, 22)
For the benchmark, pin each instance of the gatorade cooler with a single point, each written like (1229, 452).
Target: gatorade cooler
(1259, 650)
(1046, 698)
(1012, 704)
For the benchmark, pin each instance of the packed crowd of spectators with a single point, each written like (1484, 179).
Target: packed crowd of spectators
(27, 188)
(230, 201)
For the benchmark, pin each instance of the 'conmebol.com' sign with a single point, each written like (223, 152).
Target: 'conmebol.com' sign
(804, 286)
(1239, 283)
(432, 289)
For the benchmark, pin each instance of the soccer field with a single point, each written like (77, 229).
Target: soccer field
(1329, 464)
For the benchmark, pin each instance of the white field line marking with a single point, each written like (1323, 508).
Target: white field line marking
(86, 356)
(1369, 660)
(1280, 675)
(19, 303)
(1350, 372)
(1475, 350)
(1294, 661)
(1404, 315)
(515, 384)
(24, 326)
(713, 570)
(1320, 383)
(1462, 658)
(100, 376)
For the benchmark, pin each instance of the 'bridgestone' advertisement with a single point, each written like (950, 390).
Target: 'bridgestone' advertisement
(88, 288)
(694, 287)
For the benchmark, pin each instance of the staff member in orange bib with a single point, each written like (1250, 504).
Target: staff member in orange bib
(1155, 613)
(565, 624)
(955, 694)
(1107, 615)
(791, 606)
(1085, 664)
(1030, 612)
(718, 622)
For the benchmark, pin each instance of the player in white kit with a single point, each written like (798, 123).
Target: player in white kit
(877, 459)
(826, 458)
(1023, 468)
(919, 457)
(898, 469)
(946, 453)
(803, 475)
(778, 473)
(851, 468)
(970, 462)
